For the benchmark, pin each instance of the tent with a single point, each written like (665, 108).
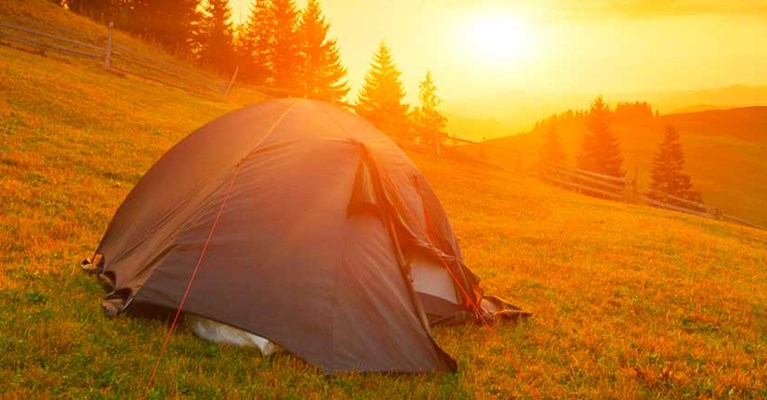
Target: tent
(299, 222)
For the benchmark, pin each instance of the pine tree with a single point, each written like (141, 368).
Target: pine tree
(380, 100)
(214, 37)
(635, 110)
(668, 169)
(322, 75)
(553, 154)
(286, 52)
(429, 123)
(254, 44)
(600, 150)
(269, 48)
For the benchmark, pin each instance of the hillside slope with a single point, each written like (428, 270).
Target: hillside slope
(629, 302)
(725, 152)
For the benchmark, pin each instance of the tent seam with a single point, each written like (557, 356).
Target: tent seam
(195, 216)
(271, 130)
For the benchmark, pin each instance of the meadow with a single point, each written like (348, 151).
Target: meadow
(628, 301)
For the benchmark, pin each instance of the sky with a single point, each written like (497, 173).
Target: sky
(479, 48)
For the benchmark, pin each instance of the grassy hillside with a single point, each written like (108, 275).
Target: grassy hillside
(629, 302)
(725, 152)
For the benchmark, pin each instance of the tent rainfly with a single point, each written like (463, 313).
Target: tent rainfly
(301, 223)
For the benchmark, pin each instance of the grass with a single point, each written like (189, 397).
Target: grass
(629, 301)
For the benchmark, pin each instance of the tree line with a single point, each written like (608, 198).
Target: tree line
(600, 150)
(281, 48)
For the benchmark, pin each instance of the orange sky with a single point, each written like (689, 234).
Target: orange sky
(476, 48)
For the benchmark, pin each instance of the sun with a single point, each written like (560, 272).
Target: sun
(498, 38)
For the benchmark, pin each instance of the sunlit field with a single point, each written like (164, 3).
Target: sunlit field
(628, 301)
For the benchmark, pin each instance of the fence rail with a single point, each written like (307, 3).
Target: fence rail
(741, 221)
(116, 57)
(662, 198)
(624, 189)
(592, 183)
(51, 36)
(662, 204)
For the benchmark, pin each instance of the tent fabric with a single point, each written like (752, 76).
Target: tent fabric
(321, 217)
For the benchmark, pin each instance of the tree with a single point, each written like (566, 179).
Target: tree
(380, 99)
(286, 57)
(668, 170)
(600, 150)
(429, 123)
(270, 46)
(254, 43)
(636, 110)
(321, 73)
(552, 153)
(214, 36)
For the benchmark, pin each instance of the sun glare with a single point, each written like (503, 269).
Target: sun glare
(498, 39)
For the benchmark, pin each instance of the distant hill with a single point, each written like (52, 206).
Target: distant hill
(517, 110)
(717, 98)
(520, 110)
(726, 153)
(477, 128)
(696, 108)
(748, 123)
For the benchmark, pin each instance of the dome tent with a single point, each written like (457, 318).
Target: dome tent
(310, 228)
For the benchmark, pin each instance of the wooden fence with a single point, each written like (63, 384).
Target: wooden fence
(624, 189)
(590, 183)
(660, 199)
(115, 57)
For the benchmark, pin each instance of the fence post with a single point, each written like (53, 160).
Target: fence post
(438, 142)
(634, 188)
(231, 82)
(108, 57)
